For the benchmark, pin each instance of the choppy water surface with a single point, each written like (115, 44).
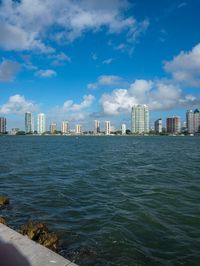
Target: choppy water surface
(131, 200)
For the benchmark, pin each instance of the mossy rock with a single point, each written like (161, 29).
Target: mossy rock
(33, 230)
(2, 220)
(4, 200)
(39, 233)
(49, 240)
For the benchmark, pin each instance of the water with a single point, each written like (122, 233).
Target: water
(131, 200)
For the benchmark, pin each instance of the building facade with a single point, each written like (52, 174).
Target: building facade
(2, 125)
(29, 123)
(173, 125)
(193, 121)
(65, 127)
(123, 129)
(53, 128)
(140, 119)
(107, 128)
(78, 129)
(96, 126)
(158, 126)
(41, 123)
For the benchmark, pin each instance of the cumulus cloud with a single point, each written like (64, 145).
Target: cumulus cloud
(8, 70)
(48, 73)
(30, 22)
(74, 111)
(17, 104)
(69, 105)
(105, 80)
(159, 95)
(185, 67)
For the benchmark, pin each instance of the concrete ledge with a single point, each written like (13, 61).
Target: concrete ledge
(36, 254)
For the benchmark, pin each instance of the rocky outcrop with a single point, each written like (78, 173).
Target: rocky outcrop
(2, 220)
(39, 232)
(4, 201)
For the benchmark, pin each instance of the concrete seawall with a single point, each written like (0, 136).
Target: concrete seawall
(36, 254)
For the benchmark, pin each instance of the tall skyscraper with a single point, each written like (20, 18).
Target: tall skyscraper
(140, 119)
(107, 127)
(158, 125)
(190, 121)
(41, 123)
(53, 128)
(65, 127)
(193, 121)
(123, 128)
(173, 125)
(29, 123)
(78, 129)
(196, 121)
(96, 126)
(2, 125)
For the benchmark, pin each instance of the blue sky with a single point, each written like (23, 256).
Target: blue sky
(85, 59)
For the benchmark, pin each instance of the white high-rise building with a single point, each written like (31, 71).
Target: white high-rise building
(107, 127)
(41, 123)
(65, 127)
(29, 122)
(78, 129)
(96, 126)
(140, 119)
(158, 125)
(123, 128)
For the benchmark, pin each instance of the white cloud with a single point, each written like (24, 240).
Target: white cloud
(30, 22)
(105, 80)
(8, 70)
(159, 95)
(185, 67)
(70, 106)
(59, 59)
(48, 73)
(108, 61)
(183, 4)
(74, 111)
(17, 104)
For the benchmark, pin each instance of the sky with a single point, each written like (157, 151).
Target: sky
(81, 60)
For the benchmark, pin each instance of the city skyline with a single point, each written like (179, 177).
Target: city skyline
(139, 124)
(103, 58)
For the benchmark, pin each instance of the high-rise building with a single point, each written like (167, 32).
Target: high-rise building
(190, 121)
(123, 128)
(140, 119)
(158, 125)
(29, 123)
(96, 126)
(2, 125)
(107, 127)
(196, 121)
(41, 123)
(53, 128)
(78, 129)
(173, 125)
(65, 127)
(193, 121)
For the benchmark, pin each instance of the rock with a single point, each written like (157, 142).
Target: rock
(33, 230)
(4, 200)
(2, 220)
(39, 232)
(49, 240)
